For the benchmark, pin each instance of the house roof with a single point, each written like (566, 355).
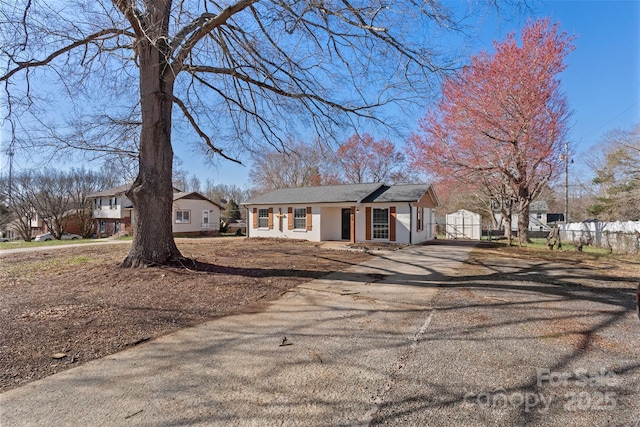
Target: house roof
(539, 206)
(351, 193)
(192, 195)
(398, 193)
(111, 191)
(177, 195)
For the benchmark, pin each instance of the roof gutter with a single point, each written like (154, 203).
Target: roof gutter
(411, 224)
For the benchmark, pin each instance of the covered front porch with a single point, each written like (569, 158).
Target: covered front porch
(338, 223)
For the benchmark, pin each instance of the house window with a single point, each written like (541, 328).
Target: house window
(539, 215)
(98, 204)
(263, 218)
(300, 218)
(102, 226)
(380, 223)
(419, 222)
(183, 217)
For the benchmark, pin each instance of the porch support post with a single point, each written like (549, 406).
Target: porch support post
(352, 226)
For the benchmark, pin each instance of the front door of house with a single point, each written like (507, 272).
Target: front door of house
(346, 224)
(205, 220)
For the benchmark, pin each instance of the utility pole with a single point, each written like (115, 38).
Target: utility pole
(566, 183)
(10, 183)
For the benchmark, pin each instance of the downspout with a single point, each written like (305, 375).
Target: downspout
(247, 221)
(411, 224)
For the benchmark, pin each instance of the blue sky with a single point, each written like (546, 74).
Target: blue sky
(602, 81)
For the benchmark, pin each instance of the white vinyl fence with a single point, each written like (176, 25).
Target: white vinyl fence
(618, 237)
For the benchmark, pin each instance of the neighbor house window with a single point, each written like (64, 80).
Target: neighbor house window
(263, 218)
(300, 218)
(183, 217)
(380, 223)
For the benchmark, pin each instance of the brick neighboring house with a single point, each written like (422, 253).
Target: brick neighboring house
(71, 223)
(12, 229)
(192, 213)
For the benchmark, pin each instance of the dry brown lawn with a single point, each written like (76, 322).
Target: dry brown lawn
(63, 307)
(60, 307)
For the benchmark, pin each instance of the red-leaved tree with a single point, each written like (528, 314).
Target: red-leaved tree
(503, 119)
(364, 159)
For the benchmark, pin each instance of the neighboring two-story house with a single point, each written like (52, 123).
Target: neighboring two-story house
(192, 213)
(538, 220)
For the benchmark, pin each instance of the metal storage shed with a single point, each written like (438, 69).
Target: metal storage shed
(463, 224)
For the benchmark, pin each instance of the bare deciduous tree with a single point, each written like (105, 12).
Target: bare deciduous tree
(82, 183)
(617, 170)
(20, 205)
(301, 165)
(239, 73)
(55, 197)
(364, 159)
(51, 199)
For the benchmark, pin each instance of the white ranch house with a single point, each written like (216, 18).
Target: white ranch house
(192, 213)
(353, 212)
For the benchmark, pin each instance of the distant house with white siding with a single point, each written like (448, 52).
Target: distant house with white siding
(192, 213)
(538, 212)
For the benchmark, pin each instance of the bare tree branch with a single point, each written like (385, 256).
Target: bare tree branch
(23, 65)
(199, 131)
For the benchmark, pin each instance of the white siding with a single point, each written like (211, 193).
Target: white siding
(113, 211)
(280, 224)
(327, 223)
(331, 222)
(195, 206)
(463, 224)
(421, 236)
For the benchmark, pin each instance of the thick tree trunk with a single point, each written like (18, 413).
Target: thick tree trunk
(152, 191)
(505, 220)
(507, 227)
(523, 217)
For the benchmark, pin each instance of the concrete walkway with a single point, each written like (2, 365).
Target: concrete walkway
(348, 337)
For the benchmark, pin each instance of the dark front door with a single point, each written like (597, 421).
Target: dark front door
(346, 224)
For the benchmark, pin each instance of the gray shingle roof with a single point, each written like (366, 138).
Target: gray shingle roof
(398, 193)
(324, 194)
(192, 195)
(111, 191)
(353, 193)
(539, 206)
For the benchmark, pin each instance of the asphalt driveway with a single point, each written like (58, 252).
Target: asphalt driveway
(408, 338)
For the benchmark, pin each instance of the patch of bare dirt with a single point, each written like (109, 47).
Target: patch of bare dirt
(60, 308)
(377, 246)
